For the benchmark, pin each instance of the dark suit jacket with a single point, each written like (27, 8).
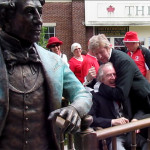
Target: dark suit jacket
(103, 110)
(130, 83)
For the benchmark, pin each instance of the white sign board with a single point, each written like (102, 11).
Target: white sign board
(115, 13)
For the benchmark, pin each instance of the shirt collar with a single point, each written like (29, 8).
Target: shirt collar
(96, 87)
(10, 42)
(110, 54)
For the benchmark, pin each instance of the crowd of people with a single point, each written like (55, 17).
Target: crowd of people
(131, 88)
(118, 82)
(34, 80)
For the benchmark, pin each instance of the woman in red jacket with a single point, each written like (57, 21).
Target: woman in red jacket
(76, 61)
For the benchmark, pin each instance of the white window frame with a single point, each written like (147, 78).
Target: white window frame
(50, 25)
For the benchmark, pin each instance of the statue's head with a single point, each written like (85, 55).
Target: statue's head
(22, 18)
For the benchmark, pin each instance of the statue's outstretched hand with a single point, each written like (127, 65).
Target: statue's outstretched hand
(70, 115)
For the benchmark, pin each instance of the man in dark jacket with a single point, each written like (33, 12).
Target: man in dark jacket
(130, 83)
(107, 112)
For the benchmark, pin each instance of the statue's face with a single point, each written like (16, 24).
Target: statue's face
(27, 23)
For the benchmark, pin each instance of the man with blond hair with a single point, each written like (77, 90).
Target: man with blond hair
(130, 83)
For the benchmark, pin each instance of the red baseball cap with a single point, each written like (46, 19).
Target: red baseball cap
(53, 40)
(131, 36)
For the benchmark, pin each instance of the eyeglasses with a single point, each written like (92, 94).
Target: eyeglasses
(53, 45)
(77, 49)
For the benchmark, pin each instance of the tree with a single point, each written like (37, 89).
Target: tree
(43, 40)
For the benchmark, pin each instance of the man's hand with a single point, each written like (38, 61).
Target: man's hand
(91, 74)
(119, 121)
(134, 120)
(71, 116)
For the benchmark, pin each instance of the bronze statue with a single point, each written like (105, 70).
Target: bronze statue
(32, 82)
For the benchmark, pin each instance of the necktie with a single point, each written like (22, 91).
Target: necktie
(23, 57)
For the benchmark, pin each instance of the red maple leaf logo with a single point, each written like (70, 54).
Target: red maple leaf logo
(110, 9)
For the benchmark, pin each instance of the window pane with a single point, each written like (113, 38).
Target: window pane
(142, 41)
(46, 36)
(118, 42)
(46, 33)
(51, 29)
(51, 35)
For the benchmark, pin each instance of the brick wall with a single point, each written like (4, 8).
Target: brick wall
(78, 27)
(69, 18)
(60, 13)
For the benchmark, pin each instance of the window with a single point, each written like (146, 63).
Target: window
(46, 33)
(118, 44)
(142, 41)
(149, 43)
(49, 32)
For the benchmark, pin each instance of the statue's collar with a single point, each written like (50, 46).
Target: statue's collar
(11, 42)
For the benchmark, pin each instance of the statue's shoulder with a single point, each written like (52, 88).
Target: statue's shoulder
(47, 55)
(44, 52)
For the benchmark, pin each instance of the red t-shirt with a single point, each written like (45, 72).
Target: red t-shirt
(88, 62)
(75, 66)
(139, 59)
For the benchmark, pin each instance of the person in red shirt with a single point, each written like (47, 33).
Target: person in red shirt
(90, 62)
(139, 54)
(76, 61)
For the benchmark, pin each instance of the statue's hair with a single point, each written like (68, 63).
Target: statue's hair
(7, 10)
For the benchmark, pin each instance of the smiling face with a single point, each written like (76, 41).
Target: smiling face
(109, 76)
(101, 47)
(55, 48)
(77, 51)
(27, 23)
